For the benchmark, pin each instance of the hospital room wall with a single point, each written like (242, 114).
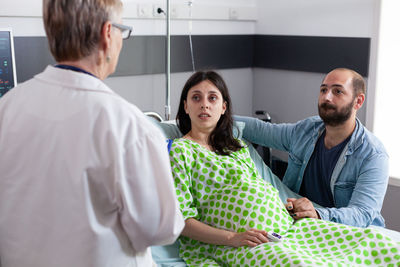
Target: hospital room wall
(308, 18)
(147, 91)
(292, 95)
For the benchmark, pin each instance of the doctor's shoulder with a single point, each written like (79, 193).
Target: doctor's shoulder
(139, 123)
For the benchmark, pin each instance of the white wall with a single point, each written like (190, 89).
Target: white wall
(387, 75)
(341, 18)
(209, 17)
(346, 18)
(148, 91)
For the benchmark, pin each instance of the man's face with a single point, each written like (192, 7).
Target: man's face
(336, 99)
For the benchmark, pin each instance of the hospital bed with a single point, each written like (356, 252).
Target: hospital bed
(166, 256)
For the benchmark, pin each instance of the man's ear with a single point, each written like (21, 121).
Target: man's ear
(359, 101)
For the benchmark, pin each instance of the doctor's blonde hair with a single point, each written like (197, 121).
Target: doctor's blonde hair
(73, 27)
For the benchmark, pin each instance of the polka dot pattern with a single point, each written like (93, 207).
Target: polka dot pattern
(227, 192)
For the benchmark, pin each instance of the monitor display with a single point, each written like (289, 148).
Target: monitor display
(7, 63)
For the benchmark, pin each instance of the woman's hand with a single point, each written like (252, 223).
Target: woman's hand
(208, 234)
(250, 238)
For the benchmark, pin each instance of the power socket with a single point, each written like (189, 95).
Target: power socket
(233, 13)
(156, 14)
(173, 11)
(144, 11)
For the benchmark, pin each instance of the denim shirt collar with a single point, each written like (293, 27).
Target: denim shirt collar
(356, 140)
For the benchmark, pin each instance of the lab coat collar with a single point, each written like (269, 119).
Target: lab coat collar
(72, 79)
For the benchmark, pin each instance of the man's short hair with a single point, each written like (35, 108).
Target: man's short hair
(73, 27)
(358, 81)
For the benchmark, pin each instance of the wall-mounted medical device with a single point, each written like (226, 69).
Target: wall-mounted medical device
(8, 76)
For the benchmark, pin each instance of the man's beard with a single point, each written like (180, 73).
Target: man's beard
(337, 117)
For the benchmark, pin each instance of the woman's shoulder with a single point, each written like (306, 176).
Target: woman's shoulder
(180, 145)
(242, 142)
(179, 142)
(245, 146)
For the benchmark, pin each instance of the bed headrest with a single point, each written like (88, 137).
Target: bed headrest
(171, 130)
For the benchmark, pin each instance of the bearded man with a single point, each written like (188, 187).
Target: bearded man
(334, 161)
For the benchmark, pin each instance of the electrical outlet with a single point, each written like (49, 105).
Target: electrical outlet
(233, 13)
(155, 12)
(144, 11)
(174, 11)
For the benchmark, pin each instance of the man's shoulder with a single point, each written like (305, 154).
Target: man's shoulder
(365, 144)
(311, 120)
(313, 123)
(370, 141)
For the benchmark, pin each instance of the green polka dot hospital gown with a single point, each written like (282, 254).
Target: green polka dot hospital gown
(227, 192)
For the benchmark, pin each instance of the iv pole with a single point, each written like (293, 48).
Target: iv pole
(168, 66)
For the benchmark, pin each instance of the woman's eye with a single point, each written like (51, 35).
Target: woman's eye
(195, 98)
(213, 98)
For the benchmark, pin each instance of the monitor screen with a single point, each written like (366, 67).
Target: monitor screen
(7, 63)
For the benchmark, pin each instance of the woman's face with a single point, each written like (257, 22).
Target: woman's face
(204, 105)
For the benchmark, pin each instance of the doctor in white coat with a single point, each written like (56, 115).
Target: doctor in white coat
(85, 178)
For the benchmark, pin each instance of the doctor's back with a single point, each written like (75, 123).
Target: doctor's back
(84, 176)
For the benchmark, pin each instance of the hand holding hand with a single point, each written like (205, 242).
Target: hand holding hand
(250, 238)
(301, 208)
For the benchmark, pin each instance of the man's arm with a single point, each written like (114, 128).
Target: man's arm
(368, 195)
(365, 203)
(277, 136)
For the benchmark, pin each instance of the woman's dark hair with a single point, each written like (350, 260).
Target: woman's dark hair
(221, 138)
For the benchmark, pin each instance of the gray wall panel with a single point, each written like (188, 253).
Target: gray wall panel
(312, 53)
(224, 51)
(145, 54)
(32, 55)
(142, 55)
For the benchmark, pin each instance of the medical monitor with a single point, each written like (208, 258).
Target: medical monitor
(8, 77)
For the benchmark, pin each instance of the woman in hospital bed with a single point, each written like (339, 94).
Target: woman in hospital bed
(229, 208)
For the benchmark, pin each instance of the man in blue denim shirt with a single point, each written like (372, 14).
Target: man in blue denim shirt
(334, 160)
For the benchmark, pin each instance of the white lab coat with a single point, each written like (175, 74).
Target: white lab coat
(85, 178)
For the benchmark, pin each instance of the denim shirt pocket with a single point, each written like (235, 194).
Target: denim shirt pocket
(343, 192)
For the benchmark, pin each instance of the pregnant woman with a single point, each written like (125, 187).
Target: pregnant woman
(229, 209)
